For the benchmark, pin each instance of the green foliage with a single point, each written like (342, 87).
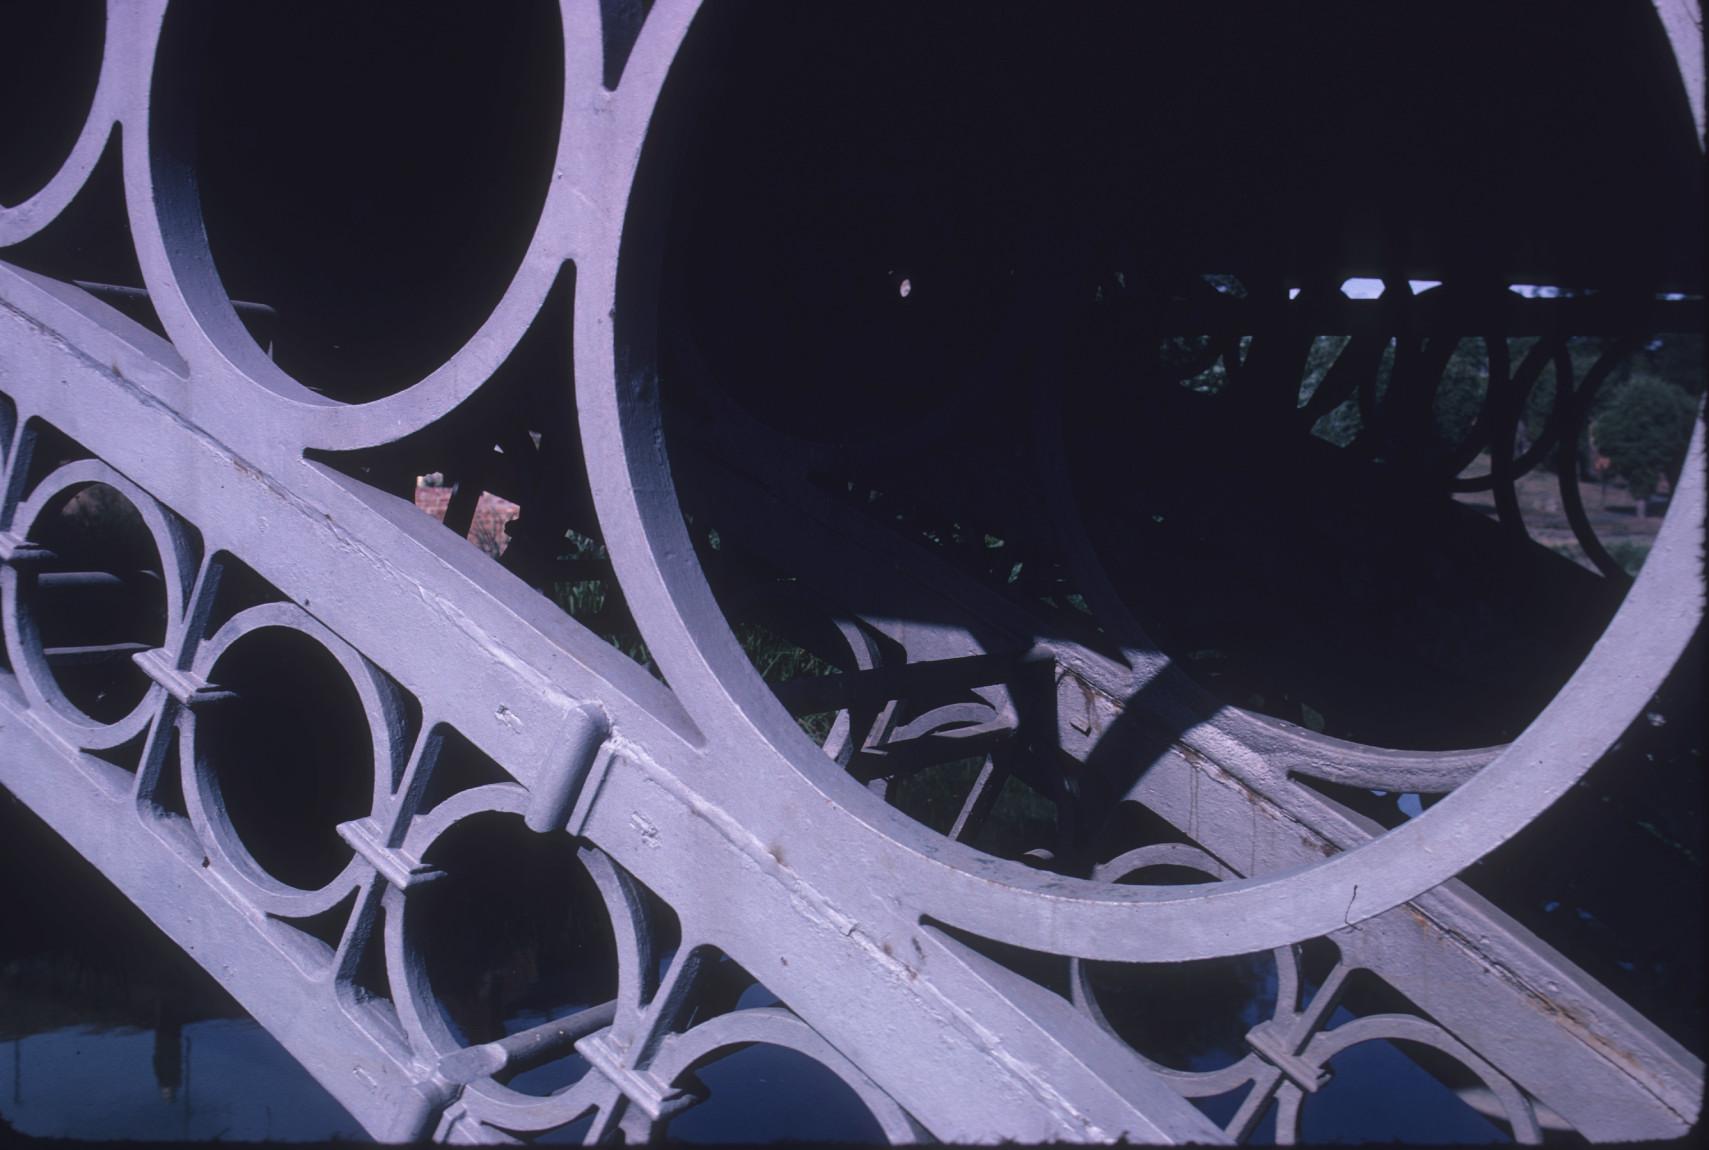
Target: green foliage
(1020, 819)
(778, 661)
(1197, 363)
(1460, 393)
(1677, 358)
(591, 603)
(934, 794)
(1644, 431)
(1343, 425)
(1630, 554)
(1325, 350)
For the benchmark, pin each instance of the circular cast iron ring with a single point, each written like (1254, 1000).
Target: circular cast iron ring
(617, 394)
(424, 1019)
(681, 1053)
(207, 811)
(21, 221)
(47, 701)
(1191, 1083)
(185, 288)
(1326, 1044)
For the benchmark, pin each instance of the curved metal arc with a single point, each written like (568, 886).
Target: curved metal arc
(1683, 21)
(1359, 358)
(163, 201)
(1572, 500)
(999, 889)
(498, 1106)
(20, 221)
(1648, 633)
(1189, 1083)
(1326, 1044)
(22, 639)
(424, 1018)
(178, 266)
(1283, 746)
(651, 552)
(201, 788)
(420, 1012)
(1547, 351)
(487, 1100)
(1502, 382)
(681, 1053)
(623, 440)
(1299, 751)
(1556, 425)
(1499, 386)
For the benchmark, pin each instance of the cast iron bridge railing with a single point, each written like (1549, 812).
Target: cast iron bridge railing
(286, 712)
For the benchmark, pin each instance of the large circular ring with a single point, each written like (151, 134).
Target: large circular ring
(22, 220)
(195, 308)
(616, 359)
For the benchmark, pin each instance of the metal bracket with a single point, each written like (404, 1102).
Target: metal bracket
(400, 869)
(1274, 1047)
(20, 552)
(187, 687)
(654, 1098)
(590, 787)
(560, 780)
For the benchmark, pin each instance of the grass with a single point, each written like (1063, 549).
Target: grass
(1610, 509)
(591, 602)
(778, 661)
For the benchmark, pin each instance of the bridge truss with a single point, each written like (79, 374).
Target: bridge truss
(288, 713)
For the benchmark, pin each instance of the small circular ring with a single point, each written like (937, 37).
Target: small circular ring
(207, 807)
(1191, 1083)
(775, 1026)
(1326, 1044)
(47, 699)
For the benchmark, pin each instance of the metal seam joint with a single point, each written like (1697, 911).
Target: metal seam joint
(189, 688)
(394, 864)
(656, 1099)
(559, 783)
(20, 552)
(1267, 1039)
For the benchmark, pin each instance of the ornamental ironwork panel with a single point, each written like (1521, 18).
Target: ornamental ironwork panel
(825, 528)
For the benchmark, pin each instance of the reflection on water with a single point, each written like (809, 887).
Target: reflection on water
(222, 1078)
(108, 1031)
(767, 1094)
(1376, 1093)
(1189, 1016)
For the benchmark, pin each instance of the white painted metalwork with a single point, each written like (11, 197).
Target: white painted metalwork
(778, 852)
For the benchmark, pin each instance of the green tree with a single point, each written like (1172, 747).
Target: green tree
(1460, 393)
(1645, 431)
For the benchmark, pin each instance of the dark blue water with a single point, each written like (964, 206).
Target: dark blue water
(232, 1083)
(236, 1084)
(109, 1032)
